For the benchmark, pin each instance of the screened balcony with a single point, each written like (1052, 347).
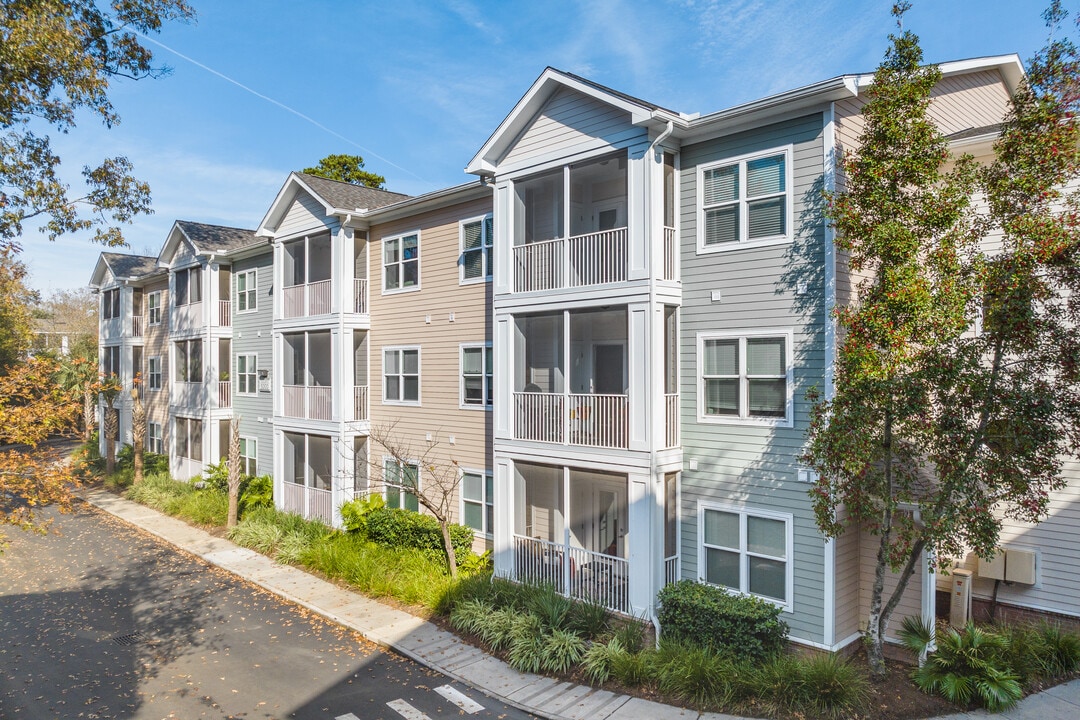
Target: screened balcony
(308, 486)
(571, 227)
(306, 277)
(589, 405)
(307, 392)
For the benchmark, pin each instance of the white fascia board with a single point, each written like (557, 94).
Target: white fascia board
(97, 277)
(1010, 67)
(293, 184)
(445, 197)
(168, 250)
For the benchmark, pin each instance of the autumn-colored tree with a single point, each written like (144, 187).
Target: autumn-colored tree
(32, 408)
(346, 168)
(235, 475)
(16, 308)
(436, 491)
(70, 314)
(78, 373)
(956, 389)
(58, 58)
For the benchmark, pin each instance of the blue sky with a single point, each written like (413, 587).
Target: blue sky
(416, 87)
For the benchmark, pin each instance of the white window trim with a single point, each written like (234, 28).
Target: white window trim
(160, 437)
(160, 374)
(160, 308)
(788, 605)
(789, 405)
(253, 370)
(419, 262)
(253, 290)
(400, 488)
(419, 375)
(461, 377)
(243, 458)
(702, 249)
(485, 474)
(485, 250)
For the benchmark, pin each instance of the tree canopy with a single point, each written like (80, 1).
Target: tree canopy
(57, 58)
(16, 310)
(957, 390)
(346, 168)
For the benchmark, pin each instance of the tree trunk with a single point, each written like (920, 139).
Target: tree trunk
(89, 416)
(877, 622)
(138, 434)
(451, 557)
(111, 430)
(234, 472)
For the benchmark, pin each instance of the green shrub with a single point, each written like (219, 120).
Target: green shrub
(631, 634)
(774, 681)
(469, 616)
(1062, 649)
(527, 643)
(205, 507)
(553, 610)
(599, 658)
(292, 547)
(693, 673)
(968, 666)
(257, 534)
(395, 527)
(829, 687)
(711, 617)
(633, 669)
(497, 630)
(158, 491)
(590, 620)
(562, 650)
(258, 492)
(354, 513)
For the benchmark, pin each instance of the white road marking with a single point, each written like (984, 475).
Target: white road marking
(347, 716)
(462, 701)
(406, 710)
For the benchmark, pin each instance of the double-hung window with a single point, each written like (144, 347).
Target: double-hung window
(246, 289)
(476, 242)
(477, 508)
(154, 441)
(401, 263)
(476, 376)
(189, 361)
(153, 372)
(747, 551)
(249, 464)
(745, 378)
(401, 483)
(745, 201)
(247, 371)
(401, 375)
(153, 308)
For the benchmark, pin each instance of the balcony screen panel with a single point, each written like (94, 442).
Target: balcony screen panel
(540, 200)
(721, 528)
(722, 225)
(768, 578)
(721, 184)
(765, 176)
(768, 218)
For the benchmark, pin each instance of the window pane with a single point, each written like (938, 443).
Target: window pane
(410, 362)
(410, 273)
(472, 264)
(765, 176)
(473, 516)
(472, 360)
(472, 487)
(722, 225)
(722, 568)
(412, 389)
(409, 248)
(721, 184)
(489, 483)
(393, 497)
(489, 230)
(471, 236)
(410, 502)
(765, 356)
(392, 280)
(721, 357)
(768, 218)
(766, 536)
(390, 251)
(768, 398)
(474, 390)
(721, 528)
(392, 362)
(768, 578)
(721, 397)
(393, 388)
(488, 363)
(408, 476)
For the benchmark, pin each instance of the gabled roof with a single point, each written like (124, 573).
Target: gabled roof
(551, 81)
(205, 239)
(336, 198)
(122, 267)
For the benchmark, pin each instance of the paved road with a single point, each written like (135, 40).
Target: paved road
(103, 621)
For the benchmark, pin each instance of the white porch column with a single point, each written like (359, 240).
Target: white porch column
(641, 512)
(503, 532)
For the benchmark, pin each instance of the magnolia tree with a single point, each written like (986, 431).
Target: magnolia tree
(957, 391)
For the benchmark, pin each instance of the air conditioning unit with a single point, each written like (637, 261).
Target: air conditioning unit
(960, 598)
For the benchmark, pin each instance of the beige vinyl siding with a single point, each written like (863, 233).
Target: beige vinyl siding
(568, 121)
(848, 611)
(156, 342)
(399, 319)
(752, 466)
(305, 214)
(910, 602)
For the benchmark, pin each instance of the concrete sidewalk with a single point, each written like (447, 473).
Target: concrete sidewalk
(445, 652)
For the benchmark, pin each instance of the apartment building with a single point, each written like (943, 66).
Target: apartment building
(608, 338)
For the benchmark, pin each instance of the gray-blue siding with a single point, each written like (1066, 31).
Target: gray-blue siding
(752, 466)
(252, 333)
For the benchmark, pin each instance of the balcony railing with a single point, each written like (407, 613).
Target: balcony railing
(360, 402)
(671, 570)
(224, 313)
(671, 420)
(224, 394)
(306, 300)
(360, 291)
(574, 572)
(136, 326)
(589, 420)
(307, 401)
(671, 254)
(590, 259)
(308, 502)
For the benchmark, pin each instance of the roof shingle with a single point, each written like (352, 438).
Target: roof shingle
(346, 196)
(217, 238)
(130, 266)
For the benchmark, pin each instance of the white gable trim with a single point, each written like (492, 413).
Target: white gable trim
(280, 207)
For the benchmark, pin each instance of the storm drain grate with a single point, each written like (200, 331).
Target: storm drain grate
(129, 639)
